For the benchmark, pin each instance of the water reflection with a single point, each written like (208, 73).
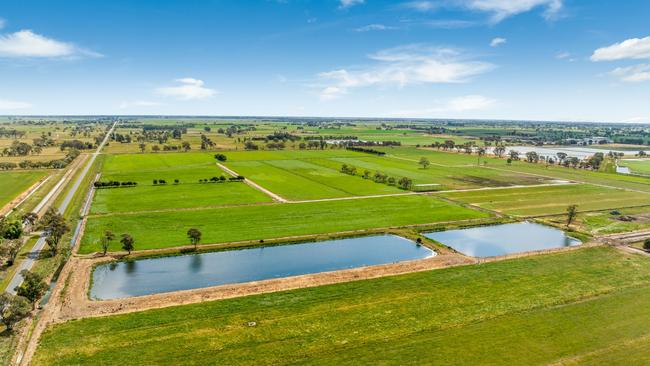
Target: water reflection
(149, 276)
(489, 241)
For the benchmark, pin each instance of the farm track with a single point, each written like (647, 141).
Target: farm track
(274, 196)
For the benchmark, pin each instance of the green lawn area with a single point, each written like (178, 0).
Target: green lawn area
(219, 225)
(591, 305)
(551, 199)
(637, 165)
(14, 183)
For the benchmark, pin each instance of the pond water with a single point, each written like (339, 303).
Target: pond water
(166, 274)
(578, 152)
(489, 241)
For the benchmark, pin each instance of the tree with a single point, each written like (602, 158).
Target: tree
(13, 309)
(106, 240)
(646, 244)
(55, 227)
(142, 146)
(405, 183)
(9, 250)
(560, 157)
(30, 218)
(186, 146)
(11, 230)
(195, 236)
(220, 157)
(33, 286)
(499, 150)
(424, 162)
(571, 213)
(127, 243)
(514, 154)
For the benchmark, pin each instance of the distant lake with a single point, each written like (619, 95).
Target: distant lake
(496, 240)
(166, 274)
(577, 152)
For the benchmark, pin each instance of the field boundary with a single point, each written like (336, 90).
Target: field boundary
(274, 196)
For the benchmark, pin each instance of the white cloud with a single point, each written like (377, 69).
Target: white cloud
(633, 48)
(422, 6)
(636, 73)
(349, 3)
(188, 89)
(138, 104)
(450, 23)
(12, 104)
(497, 41)
(26, 43)
(454, 106)
(402, 66)
(498, 9)
(502, 9)
(373, 27)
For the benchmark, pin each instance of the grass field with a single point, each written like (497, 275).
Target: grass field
(590, 305)
(637, 166)
(316, 174)
(14, 183)
(187, 168)
(168, 229)
(551, 199)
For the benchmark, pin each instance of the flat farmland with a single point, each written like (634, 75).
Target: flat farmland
(590, 304)
(14, 183)
(302, 175)
(305, 179)
(551, 199)
(220, 225)
(188, 168)
(640, 166)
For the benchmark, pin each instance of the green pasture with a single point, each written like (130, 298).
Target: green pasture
(551, 199)
(14, 183)
(220, 225)
(637, 166)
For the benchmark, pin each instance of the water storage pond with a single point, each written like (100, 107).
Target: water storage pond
(166, 274)
(490, 241)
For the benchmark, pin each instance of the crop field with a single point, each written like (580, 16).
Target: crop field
(14, 183)
(551, 199)
(220, 225)
(188, 168)
(589, 305)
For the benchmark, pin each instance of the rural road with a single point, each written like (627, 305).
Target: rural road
(28, 263)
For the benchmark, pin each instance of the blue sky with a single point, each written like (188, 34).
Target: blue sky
(508, 59)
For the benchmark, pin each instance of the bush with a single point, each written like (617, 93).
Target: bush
(646, 244)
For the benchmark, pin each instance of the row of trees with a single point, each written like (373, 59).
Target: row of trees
(114, 184)
(365, 150)
(379, 177)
